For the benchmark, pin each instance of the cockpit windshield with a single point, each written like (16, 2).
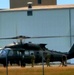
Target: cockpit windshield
(1, 51)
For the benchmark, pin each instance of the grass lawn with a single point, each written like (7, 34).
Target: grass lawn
(38, 71)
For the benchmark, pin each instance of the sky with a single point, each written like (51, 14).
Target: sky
(5, 3)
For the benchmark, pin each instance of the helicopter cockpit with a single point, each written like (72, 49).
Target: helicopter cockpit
(4, 52)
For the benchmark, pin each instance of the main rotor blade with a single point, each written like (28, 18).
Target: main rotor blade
(25, 37)
(20, 37)
(17, 37)
(51, 37)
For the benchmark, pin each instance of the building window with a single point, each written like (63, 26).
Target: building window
(29, 13)
(39, 1)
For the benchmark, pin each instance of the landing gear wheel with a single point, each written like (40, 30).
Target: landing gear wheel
(23, 64)
(4, 64)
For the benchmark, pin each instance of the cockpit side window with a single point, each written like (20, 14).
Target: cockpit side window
(10, 53)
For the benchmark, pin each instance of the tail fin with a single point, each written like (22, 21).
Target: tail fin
(71, 52)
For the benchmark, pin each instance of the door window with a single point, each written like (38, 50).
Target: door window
(26, 52)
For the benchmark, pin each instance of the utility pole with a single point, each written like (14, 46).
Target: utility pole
(7, 62)
(42, 62)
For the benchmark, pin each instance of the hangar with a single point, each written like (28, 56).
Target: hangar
(43, 20)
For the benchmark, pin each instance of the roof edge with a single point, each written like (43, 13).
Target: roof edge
(41, 7)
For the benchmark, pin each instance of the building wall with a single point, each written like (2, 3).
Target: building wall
(23, 3)
(72, 24)
(41, 23)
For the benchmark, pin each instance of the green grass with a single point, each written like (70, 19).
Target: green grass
(38, 71)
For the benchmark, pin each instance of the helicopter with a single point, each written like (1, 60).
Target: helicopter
(20, 53)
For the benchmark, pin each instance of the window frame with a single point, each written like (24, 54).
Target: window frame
(39, 1)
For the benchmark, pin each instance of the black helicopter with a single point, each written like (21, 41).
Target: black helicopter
(20, 53)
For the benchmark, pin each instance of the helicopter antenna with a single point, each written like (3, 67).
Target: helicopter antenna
(20, 39)
(16, 32)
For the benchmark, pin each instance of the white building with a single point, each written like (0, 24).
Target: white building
(56, 20)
